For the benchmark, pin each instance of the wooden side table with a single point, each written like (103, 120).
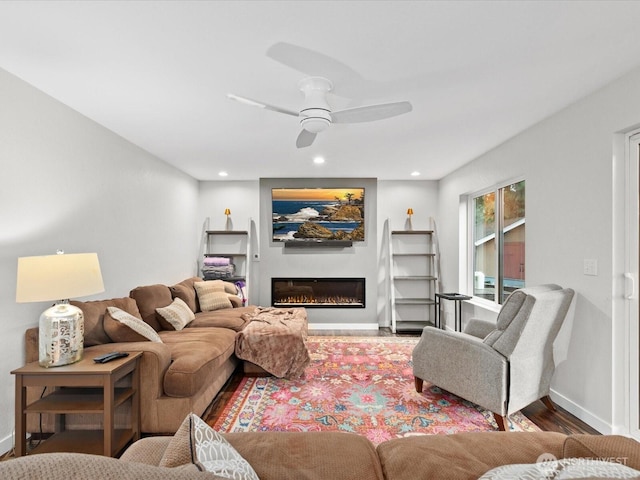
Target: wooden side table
(89, 388)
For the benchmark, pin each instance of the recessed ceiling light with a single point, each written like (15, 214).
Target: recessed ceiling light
(318, 160)
(223, 173)
(415, 174)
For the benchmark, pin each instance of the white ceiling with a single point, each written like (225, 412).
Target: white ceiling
(476, 72)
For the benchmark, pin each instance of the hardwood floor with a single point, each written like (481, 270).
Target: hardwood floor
(547, 420)
(558, 421)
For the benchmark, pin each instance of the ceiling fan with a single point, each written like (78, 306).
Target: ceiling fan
(316, 114)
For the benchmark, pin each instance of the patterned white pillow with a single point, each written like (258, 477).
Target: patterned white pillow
(134, 323)
(214, 454)
(178, 314)
(564, 469)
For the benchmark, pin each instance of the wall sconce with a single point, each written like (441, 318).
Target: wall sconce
(59, 277)
(409, 225)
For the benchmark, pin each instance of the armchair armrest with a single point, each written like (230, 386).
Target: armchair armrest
(479, 328)
(462, 364)
(156, 358)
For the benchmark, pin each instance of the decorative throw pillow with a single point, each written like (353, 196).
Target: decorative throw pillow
(564, 469)
(214, 285)
(230, 287)
(124, 327)
(211, 295)
(179, 451)
(187, 294)
(176, 316)
(196, 442)
(235, 300)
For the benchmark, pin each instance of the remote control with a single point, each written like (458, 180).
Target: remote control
(107, 357)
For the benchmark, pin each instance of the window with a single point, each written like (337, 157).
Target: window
(498, 262)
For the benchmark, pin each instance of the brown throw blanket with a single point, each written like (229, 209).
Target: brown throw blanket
(275, 340)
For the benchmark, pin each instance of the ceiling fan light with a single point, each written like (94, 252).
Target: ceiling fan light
(315, 124)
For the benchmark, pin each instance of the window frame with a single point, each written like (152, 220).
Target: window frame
(496, 303)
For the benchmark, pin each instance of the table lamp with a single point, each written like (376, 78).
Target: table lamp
(58, 278)
(409, 213)
(227, 225)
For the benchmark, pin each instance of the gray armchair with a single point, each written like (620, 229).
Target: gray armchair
(502, 367)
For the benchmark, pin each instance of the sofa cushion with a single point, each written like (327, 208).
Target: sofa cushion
(313, 456)
(212, 296)
(186, 292)
(150, 297)
(196, 442)
(235, 300)
(507, 313)
(613, 447)
(509, 337)
(233, 318)
(196, 354)
(175, 316)
(66, 466)
(124, 327)
(229, 287)
(513, 317)
(464, 455)
(180, 451)
(93, 311)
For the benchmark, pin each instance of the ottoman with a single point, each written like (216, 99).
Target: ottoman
(273, 342)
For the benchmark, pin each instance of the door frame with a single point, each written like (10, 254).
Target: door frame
(631, 260)
(625, 346)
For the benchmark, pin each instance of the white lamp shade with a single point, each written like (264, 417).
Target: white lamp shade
(58, 277)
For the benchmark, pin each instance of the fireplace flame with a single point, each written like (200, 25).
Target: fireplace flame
(306, 299)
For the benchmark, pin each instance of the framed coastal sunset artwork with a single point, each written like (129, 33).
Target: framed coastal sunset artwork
(317, 214)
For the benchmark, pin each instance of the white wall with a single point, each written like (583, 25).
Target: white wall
(69, 183)
(243, 199)
(394, 198)
(567, 163)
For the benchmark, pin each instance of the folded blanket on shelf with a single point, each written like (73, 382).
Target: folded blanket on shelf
(212, 272)
(217, 261)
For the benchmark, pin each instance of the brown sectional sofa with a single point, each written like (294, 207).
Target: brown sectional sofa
(182, 374)
(339, 456)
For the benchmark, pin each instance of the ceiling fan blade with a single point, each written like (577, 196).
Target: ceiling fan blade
(256, 103)
(305, 138)
(347, 80)
(371, 113)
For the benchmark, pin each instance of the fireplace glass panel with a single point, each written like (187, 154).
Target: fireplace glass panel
(318, 292)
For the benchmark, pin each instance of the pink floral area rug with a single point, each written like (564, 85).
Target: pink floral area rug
(362, 385)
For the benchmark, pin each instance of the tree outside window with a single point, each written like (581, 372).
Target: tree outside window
(499, 261)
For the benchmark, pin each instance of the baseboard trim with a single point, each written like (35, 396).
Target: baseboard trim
(344, 326)
(6, 445)
(586, 416)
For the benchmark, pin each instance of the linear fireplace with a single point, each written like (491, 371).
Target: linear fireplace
(318, 292)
